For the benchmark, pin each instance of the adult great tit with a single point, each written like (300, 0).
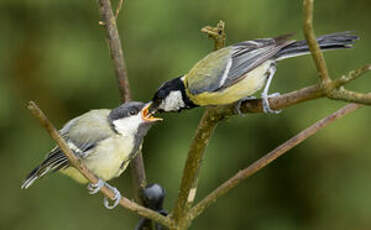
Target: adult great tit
(105, 141)
(236, 72)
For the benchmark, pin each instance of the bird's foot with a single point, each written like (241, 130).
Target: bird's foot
(266, 107)
(94, 188)
(237, 105)
(116, 198)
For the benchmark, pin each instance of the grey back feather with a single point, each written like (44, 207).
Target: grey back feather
(241, 59)
(83, 132)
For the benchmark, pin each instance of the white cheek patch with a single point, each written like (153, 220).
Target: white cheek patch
(173, 101)
(128, 125)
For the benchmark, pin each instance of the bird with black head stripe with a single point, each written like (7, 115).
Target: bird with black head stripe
(105, 140)
(234, 73)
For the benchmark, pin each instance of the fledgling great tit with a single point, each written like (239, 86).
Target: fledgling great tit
(105, 140)
(233, 73)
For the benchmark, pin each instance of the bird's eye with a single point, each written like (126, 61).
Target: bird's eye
(133, 112)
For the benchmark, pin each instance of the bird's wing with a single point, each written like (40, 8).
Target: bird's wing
(227, 66)
(81, 134)
(207, 74)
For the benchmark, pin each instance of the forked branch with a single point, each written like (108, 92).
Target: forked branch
(204, 131)
(330, 88)
(268, 158)
(183, 214)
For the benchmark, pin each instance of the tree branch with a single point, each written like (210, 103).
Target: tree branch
(215, 114)
(327, 87)
(295, 97)
(304, 94)
(314, 48)
(327, 84)
(114, 43)
(268, 158)
(352, 75)
(209, 120)
(350, 96)
(113, 39)
(217, 34)
(118, 8)
(75, 162)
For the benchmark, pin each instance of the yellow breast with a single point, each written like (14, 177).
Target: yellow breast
(251, 82)
(108, 160)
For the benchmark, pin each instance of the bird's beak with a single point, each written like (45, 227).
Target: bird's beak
(147, 115)
(153, 107)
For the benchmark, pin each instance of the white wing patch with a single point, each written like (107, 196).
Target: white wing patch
(226, 72)
(173, 101)
(254, 43)
(74, 148)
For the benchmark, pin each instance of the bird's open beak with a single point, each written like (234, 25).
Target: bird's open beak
(147, 115)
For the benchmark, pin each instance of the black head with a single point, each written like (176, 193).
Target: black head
(171, 97)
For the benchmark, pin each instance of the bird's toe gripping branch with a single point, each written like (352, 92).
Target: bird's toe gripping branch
(116, 198)
(237, 105)
(94, 188)
(265, 101)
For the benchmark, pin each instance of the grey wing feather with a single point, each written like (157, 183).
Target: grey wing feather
(245, 57)
(207, 74)
(82, 136)
(249, 55)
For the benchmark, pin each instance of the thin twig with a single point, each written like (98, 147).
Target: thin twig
(338, 92)
(342, 94)
(75, 162)
(114, 43)
(352, 75)
(118, 8)
(305, 94)
(314, 48)
(268, 158)
(327, 84)
(113, 40)
(217, 34)
(205, 128)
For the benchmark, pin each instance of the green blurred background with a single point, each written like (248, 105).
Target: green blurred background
(54, 52)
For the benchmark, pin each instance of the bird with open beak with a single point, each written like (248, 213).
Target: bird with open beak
(105, 140)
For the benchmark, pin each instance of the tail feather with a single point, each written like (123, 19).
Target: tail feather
(55, 161)
(340, 40)
(32, 176)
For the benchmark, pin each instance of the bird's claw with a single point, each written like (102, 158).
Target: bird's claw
(94, 188)
(237, 105)
(266, 107)
(116, 198)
